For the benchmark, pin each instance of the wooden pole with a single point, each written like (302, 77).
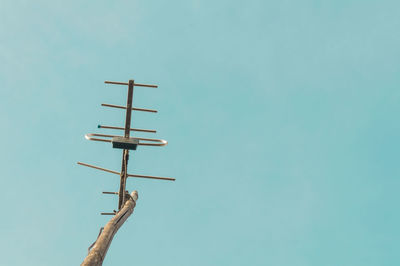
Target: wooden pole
(100, 248)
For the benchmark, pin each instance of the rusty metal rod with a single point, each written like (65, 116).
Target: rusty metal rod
(115, 82)
(126, 83)
(134, 108)
(129, 175)
(113, 106)
(125, 153)
(153, 177)
(99, 168)
(132, 129)
(144, 110)
(145, 85)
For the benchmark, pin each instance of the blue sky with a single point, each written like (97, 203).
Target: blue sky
(281, 117)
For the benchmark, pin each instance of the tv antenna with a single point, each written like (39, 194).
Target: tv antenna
(126, 201)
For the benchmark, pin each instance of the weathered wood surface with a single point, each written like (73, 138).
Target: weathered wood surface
(99, 250)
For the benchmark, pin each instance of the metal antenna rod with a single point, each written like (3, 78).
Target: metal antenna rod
(125, 153)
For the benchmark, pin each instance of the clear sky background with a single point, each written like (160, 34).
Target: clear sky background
(281, 116)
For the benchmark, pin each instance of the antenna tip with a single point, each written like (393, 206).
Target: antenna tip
(98, 126)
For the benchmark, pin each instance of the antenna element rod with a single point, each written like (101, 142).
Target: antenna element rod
(153, 177)
(135, 84)
(98, 168)
(132, 129)
(133, 108)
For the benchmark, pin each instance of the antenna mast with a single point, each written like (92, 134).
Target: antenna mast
(126, 201)
(125, 155)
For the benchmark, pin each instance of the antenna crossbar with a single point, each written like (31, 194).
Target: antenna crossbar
(126, 83)
(99, 168)
(128, 175)
(133, 108)
(153, 177)
(132, 129)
